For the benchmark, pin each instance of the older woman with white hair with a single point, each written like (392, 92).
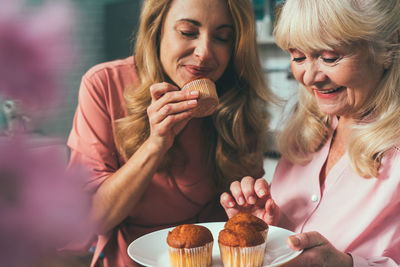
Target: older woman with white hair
(337, 184)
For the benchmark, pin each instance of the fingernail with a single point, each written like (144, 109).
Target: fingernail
(194, 92)
(241, 201)
(261, 193)
(294, 241)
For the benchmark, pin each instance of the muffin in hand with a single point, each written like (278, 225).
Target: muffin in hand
(208, 98)
(190, 245)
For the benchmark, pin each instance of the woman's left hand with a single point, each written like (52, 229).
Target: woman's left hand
(318, 251)
(253, 196)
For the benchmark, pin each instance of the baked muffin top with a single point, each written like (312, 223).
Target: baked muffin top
(240, 235)
(247, 218)
(189, 236)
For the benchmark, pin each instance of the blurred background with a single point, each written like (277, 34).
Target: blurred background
(102, 31)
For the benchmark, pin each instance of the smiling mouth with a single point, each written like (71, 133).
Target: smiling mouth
(198, 71)
(329, 91)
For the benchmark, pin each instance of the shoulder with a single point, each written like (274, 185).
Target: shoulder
(104, 84)
(390, 166)
(110, 78)
(116, 68)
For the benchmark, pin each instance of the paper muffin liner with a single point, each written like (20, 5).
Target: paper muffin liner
(242, 256)
(191, 257)
(264, 234)
(208, 99)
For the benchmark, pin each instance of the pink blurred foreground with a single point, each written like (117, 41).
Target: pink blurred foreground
(42, 205)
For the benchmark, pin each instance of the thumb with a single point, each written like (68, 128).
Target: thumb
(305, 240)
(271, 212)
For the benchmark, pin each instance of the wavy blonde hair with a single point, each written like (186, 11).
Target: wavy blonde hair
(234, 132)
(310, 25)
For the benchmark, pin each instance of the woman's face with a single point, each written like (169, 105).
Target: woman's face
(341, 81)
(196, 40)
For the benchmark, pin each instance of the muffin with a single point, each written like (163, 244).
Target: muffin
(208, 98)
(242, 242)
(247, 218)
(190, 245)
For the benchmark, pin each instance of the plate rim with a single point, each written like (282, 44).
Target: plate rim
(129, 248)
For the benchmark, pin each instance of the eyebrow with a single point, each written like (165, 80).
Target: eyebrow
(197, 23)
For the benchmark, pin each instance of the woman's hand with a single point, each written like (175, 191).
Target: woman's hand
(169, 112)
(251, 196)
(318, 251)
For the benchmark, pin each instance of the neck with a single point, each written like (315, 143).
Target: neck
(343, 129)
(338, 146)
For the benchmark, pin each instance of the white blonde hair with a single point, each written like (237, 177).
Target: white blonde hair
(310, 25)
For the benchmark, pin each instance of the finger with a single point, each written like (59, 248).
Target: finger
(247, 185)
(271, 212)
(176, 100)
(157, 116)
(306, 240)
(163, 93)
(270, 206)
(179, 126)
(227, 201)
(237, 193)
(229, 204)
(167, 122)
(176, 108)
(261, 188)
(157, 90)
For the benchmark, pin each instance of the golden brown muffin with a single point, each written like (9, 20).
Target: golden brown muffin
(208, 98)
(242, 243)
(244, 217)
(190, 245)
(240, 235)
(189, 236)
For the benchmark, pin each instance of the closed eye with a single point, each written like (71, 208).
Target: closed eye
(298, 59)
(224, 39)
(330, 60)
(188, 34)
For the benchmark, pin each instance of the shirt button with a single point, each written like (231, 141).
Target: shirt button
(314, 198)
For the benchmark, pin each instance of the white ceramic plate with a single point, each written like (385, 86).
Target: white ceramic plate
(151, 249)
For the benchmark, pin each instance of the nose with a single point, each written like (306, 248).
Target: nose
(313, 73)
(203, 49)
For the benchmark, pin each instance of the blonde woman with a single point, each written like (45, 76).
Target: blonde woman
(338, 182)
(152, 165)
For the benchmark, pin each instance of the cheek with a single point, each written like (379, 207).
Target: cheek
(164, 47)
(297, 72)
(169, 55)
(170, 46)
(362, 92)
(224, 59)
(163, 58)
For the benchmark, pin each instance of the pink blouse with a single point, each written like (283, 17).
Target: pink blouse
(186, 196)
(357, 215)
